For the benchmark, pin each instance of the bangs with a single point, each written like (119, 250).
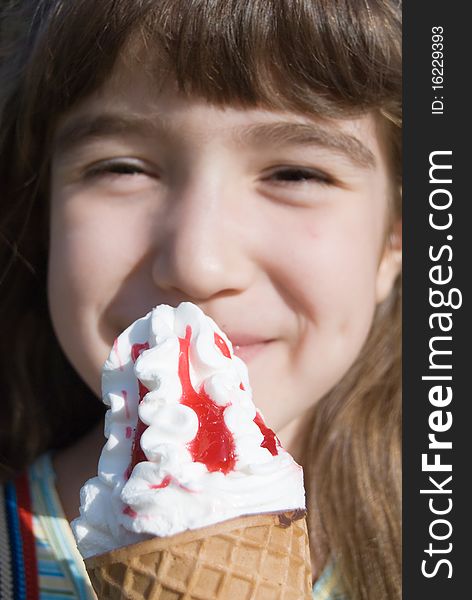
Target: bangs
(331, 57)
(326, 57)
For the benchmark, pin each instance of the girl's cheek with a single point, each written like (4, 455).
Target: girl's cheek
(95, 232)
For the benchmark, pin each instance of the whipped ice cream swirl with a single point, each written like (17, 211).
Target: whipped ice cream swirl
(186, 446)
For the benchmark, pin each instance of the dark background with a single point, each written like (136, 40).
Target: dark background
(424, 133)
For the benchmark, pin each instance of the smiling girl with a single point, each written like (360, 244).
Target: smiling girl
(240, 155)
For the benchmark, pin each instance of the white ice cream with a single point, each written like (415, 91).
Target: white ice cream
(186, 470)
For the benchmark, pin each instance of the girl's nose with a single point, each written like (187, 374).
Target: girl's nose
(202, 250)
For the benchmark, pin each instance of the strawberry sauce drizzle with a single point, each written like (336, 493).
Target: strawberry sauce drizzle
(136, 351)
(270, 441)
(115, 348)
(219, 341)
(164, 483)
(168, 479)
(130, 512)
(213, 444)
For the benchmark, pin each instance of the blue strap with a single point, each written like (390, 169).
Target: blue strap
(16, 543)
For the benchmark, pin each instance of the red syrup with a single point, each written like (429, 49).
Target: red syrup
(213, 444)
(164, 483)
(168, 479)
(130, 512)
(221, 344)
(270, 441)
(136, 351)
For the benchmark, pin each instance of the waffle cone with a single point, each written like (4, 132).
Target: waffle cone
(257, 557)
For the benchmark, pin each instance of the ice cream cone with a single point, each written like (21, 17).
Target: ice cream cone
(257, 557)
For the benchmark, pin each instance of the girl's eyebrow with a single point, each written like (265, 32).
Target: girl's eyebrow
(283, 133)
(83, 128)
(306, 134)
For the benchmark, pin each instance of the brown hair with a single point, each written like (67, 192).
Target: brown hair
(332, 58)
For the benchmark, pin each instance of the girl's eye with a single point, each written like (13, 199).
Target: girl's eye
(299, 175)
(116, 168)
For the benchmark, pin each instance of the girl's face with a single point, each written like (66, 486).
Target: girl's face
(272, 222)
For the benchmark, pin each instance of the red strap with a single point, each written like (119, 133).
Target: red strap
(27, 534)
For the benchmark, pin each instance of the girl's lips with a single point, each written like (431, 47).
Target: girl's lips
(247, 352)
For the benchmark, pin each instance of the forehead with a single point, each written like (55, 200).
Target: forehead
(137, 99)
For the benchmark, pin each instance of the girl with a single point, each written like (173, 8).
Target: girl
(241, 155)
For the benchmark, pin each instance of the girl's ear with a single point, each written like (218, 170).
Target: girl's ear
(390, 264)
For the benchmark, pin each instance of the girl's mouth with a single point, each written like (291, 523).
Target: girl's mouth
(247, 352)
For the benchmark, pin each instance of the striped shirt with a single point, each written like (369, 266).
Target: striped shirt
(38, 556)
